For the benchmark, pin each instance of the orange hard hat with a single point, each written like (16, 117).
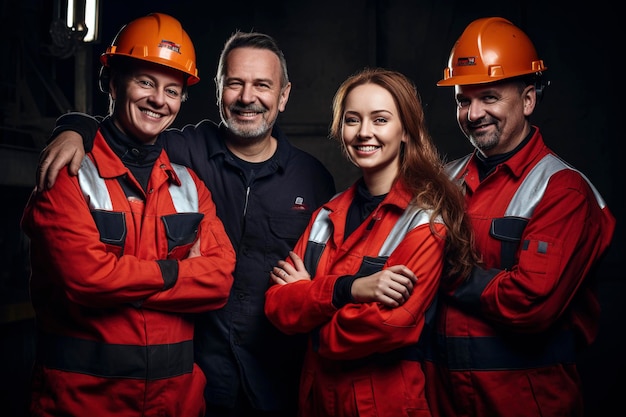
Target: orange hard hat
(156, 38)
(490, 49)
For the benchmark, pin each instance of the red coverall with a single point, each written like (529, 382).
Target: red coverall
(509, 335)
(361, 358)
(114, 336)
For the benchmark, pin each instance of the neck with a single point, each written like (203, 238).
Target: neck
(143, 140)
(379, 180)
(252, 149)
(378, 183)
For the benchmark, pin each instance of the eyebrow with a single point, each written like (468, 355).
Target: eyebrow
(373, 112)
(255, 80)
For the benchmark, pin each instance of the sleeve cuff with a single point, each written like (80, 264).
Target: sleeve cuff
(342, 292)
(83, 124)
(169, 272)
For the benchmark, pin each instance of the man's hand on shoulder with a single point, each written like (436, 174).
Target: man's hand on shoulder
(66, 148)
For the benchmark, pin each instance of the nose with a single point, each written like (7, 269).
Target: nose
(474, 111)
(247, 94)
(158, 97)
(365, 130)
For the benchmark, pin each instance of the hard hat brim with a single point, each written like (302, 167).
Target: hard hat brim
(480, 78)
(468, 79)
(191, 78)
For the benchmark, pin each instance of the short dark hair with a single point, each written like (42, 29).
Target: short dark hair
(251, 40)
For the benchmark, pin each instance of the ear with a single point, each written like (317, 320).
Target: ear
(218, 91)
(103, 79)
(530, 99)
(112, 89)
(284, 97)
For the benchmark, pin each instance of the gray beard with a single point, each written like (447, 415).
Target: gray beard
(243, 130)
(485, 143)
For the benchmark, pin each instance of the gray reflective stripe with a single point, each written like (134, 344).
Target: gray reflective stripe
(93, 186)
(322, 227)
(534, 186)
(184, 197)
(412, 217)
(453, 168)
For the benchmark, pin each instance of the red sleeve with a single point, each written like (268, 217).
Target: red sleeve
(566, 235)
(204, 282)
(66, 251)
(301, 306)
(358, 330)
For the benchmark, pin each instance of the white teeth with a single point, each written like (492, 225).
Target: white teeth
(152, 114)
(367, 148)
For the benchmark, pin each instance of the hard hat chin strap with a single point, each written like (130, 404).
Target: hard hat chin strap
(540, 85)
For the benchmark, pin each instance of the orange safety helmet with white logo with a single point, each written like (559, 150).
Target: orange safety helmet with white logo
(491, 49)
(157, 38)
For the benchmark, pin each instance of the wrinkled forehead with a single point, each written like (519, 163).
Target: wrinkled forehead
(137, 67)
(253, 63)
(494, 88)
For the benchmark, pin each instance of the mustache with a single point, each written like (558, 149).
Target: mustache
(238, 107)
(482, 121)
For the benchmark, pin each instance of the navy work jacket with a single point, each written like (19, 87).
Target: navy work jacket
(236, 346)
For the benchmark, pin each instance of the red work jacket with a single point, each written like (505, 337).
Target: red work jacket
(509, 335)
(361, 358)
(113, 325)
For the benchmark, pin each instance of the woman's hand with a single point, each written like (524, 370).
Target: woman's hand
(284, 272)
(195, 250)
(390, 287)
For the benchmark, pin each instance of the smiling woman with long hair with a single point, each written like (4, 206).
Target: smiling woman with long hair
(363, 276)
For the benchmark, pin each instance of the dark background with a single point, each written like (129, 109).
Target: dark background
(324, 41)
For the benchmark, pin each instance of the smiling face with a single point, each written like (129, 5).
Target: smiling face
(147, 100)
(251, 96)
(372, 134)
(494, 117)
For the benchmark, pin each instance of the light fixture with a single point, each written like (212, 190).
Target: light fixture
(82, 16)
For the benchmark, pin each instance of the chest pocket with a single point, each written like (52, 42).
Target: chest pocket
(289, 228)
(371, 265)
(181, 228)
(322, 229)
(112, 228)
(509, 228)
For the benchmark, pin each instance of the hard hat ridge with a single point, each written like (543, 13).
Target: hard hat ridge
(157, 38)
(491, 49)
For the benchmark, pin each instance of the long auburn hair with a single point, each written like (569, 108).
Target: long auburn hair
(421, 167)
